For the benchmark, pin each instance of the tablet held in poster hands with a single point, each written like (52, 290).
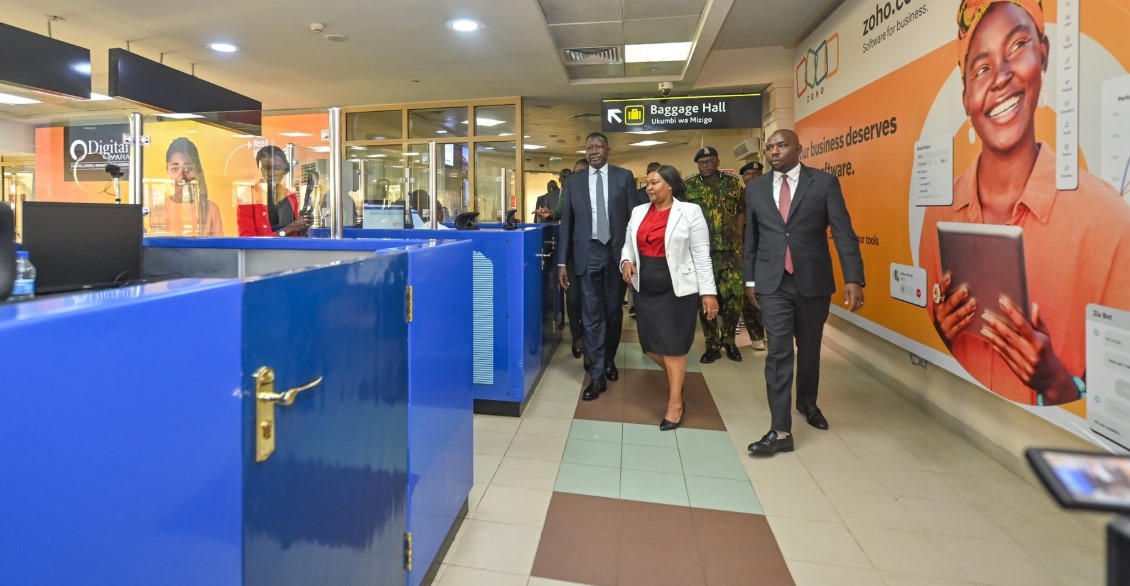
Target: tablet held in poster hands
(1084, 480)
(988, 259)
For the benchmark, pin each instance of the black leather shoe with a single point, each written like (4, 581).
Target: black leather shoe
(814, 417)
(611, 373)
(771, 444)
(577, 350)
(665, 425)
(594, 390)
(732, 353)
(710, 356)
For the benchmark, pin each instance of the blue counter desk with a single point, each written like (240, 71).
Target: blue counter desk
(129, 434)
(509, 310)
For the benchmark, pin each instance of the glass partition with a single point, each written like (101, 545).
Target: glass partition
(438, 122)
(494, 180)
(210, 174)
(477, 154)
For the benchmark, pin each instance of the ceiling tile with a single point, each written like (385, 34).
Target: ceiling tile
(649, 69)
(587, 35)
(595, 71)
(660, 30)
(577, 11)
(635, 9)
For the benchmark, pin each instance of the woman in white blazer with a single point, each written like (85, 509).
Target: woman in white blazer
(666, 259)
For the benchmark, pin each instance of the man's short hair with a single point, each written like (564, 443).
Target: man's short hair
(593, 135)
(653, 166)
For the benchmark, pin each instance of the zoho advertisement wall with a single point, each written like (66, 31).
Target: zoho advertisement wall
(984, 149)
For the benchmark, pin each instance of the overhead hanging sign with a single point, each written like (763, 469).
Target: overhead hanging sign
(681, 113)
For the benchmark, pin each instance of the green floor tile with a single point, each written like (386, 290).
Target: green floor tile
(653, 487)
(712, 464)
(722, 494)
(651, 458)
(597, 431)
(590, 480)
(578, 451)
(704, 440)
(648, 435)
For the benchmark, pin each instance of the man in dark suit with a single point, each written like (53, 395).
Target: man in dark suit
(594, 217)
(548, 201)
(788, 273)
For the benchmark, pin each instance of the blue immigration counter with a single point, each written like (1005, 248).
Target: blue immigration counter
(134, 435)
(517, 314)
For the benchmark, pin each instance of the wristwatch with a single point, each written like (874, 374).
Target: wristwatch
(282, 232)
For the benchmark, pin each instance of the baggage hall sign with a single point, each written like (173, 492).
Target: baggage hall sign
(682, 113)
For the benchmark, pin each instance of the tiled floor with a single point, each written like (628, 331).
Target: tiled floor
(592, 493)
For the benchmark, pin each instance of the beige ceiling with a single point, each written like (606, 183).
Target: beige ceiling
(401, 51)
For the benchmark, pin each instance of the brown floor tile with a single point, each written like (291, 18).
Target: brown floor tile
(657, 524)
(577, 557)
(640, 397)
(657, 565)
(744, 570)
(734, 546)
(726, 530)
(580, 513)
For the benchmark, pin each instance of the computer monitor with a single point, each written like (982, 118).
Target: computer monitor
(78, 246)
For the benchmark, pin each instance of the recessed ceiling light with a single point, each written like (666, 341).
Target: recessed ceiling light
(488, 122)
(533, 147)
(656, 52)
(223, 47)
(377, 156)
(320, 149)
(464, 25)
(582, 151)
(95, 97)
(506, 134)
(646, 143)
(411, 154)
(175, 116)
(358, 148)
(295, 134)
(525, 136)
(83, 67)
(488, 148)
(441, 132)
(11, 100)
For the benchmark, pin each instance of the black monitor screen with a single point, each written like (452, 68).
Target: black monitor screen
(82, 245)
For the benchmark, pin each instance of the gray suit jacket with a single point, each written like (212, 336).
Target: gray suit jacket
(817, 205)
(576, 215)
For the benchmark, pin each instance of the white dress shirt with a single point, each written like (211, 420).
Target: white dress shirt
(793, 177)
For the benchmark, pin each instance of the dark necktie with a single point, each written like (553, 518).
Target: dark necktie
(601, 211)
(786, 202)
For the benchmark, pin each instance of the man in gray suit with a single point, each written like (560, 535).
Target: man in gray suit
(594, 217)
(788, 274)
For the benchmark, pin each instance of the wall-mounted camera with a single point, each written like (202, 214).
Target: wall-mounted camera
(665, 88)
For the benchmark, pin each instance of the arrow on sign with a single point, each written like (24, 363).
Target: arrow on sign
(614, 115)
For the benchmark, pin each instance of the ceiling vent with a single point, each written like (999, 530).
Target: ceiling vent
(593, 56)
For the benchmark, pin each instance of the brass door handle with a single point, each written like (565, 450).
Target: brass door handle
(265, 401)
(288, 396)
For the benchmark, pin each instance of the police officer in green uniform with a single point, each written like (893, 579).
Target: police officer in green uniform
(721, 198)
(751, 314)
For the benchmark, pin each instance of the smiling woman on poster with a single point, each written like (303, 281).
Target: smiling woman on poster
(1076, 243)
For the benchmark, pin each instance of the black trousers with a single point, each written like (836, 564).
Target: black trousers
(790, 317)
(602, 290)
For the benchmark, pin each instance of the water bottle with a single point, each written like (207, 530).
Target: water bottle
(24, 287)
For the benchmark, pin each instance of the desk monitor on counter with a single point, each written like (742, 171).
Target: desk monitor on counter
(76, 246)
(1084, 480)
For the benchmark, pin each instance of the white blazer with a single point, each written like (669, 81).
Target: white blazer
(687, 242)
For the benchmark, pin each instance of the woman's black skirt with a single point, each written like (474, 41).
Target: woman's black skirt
(665, 323)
